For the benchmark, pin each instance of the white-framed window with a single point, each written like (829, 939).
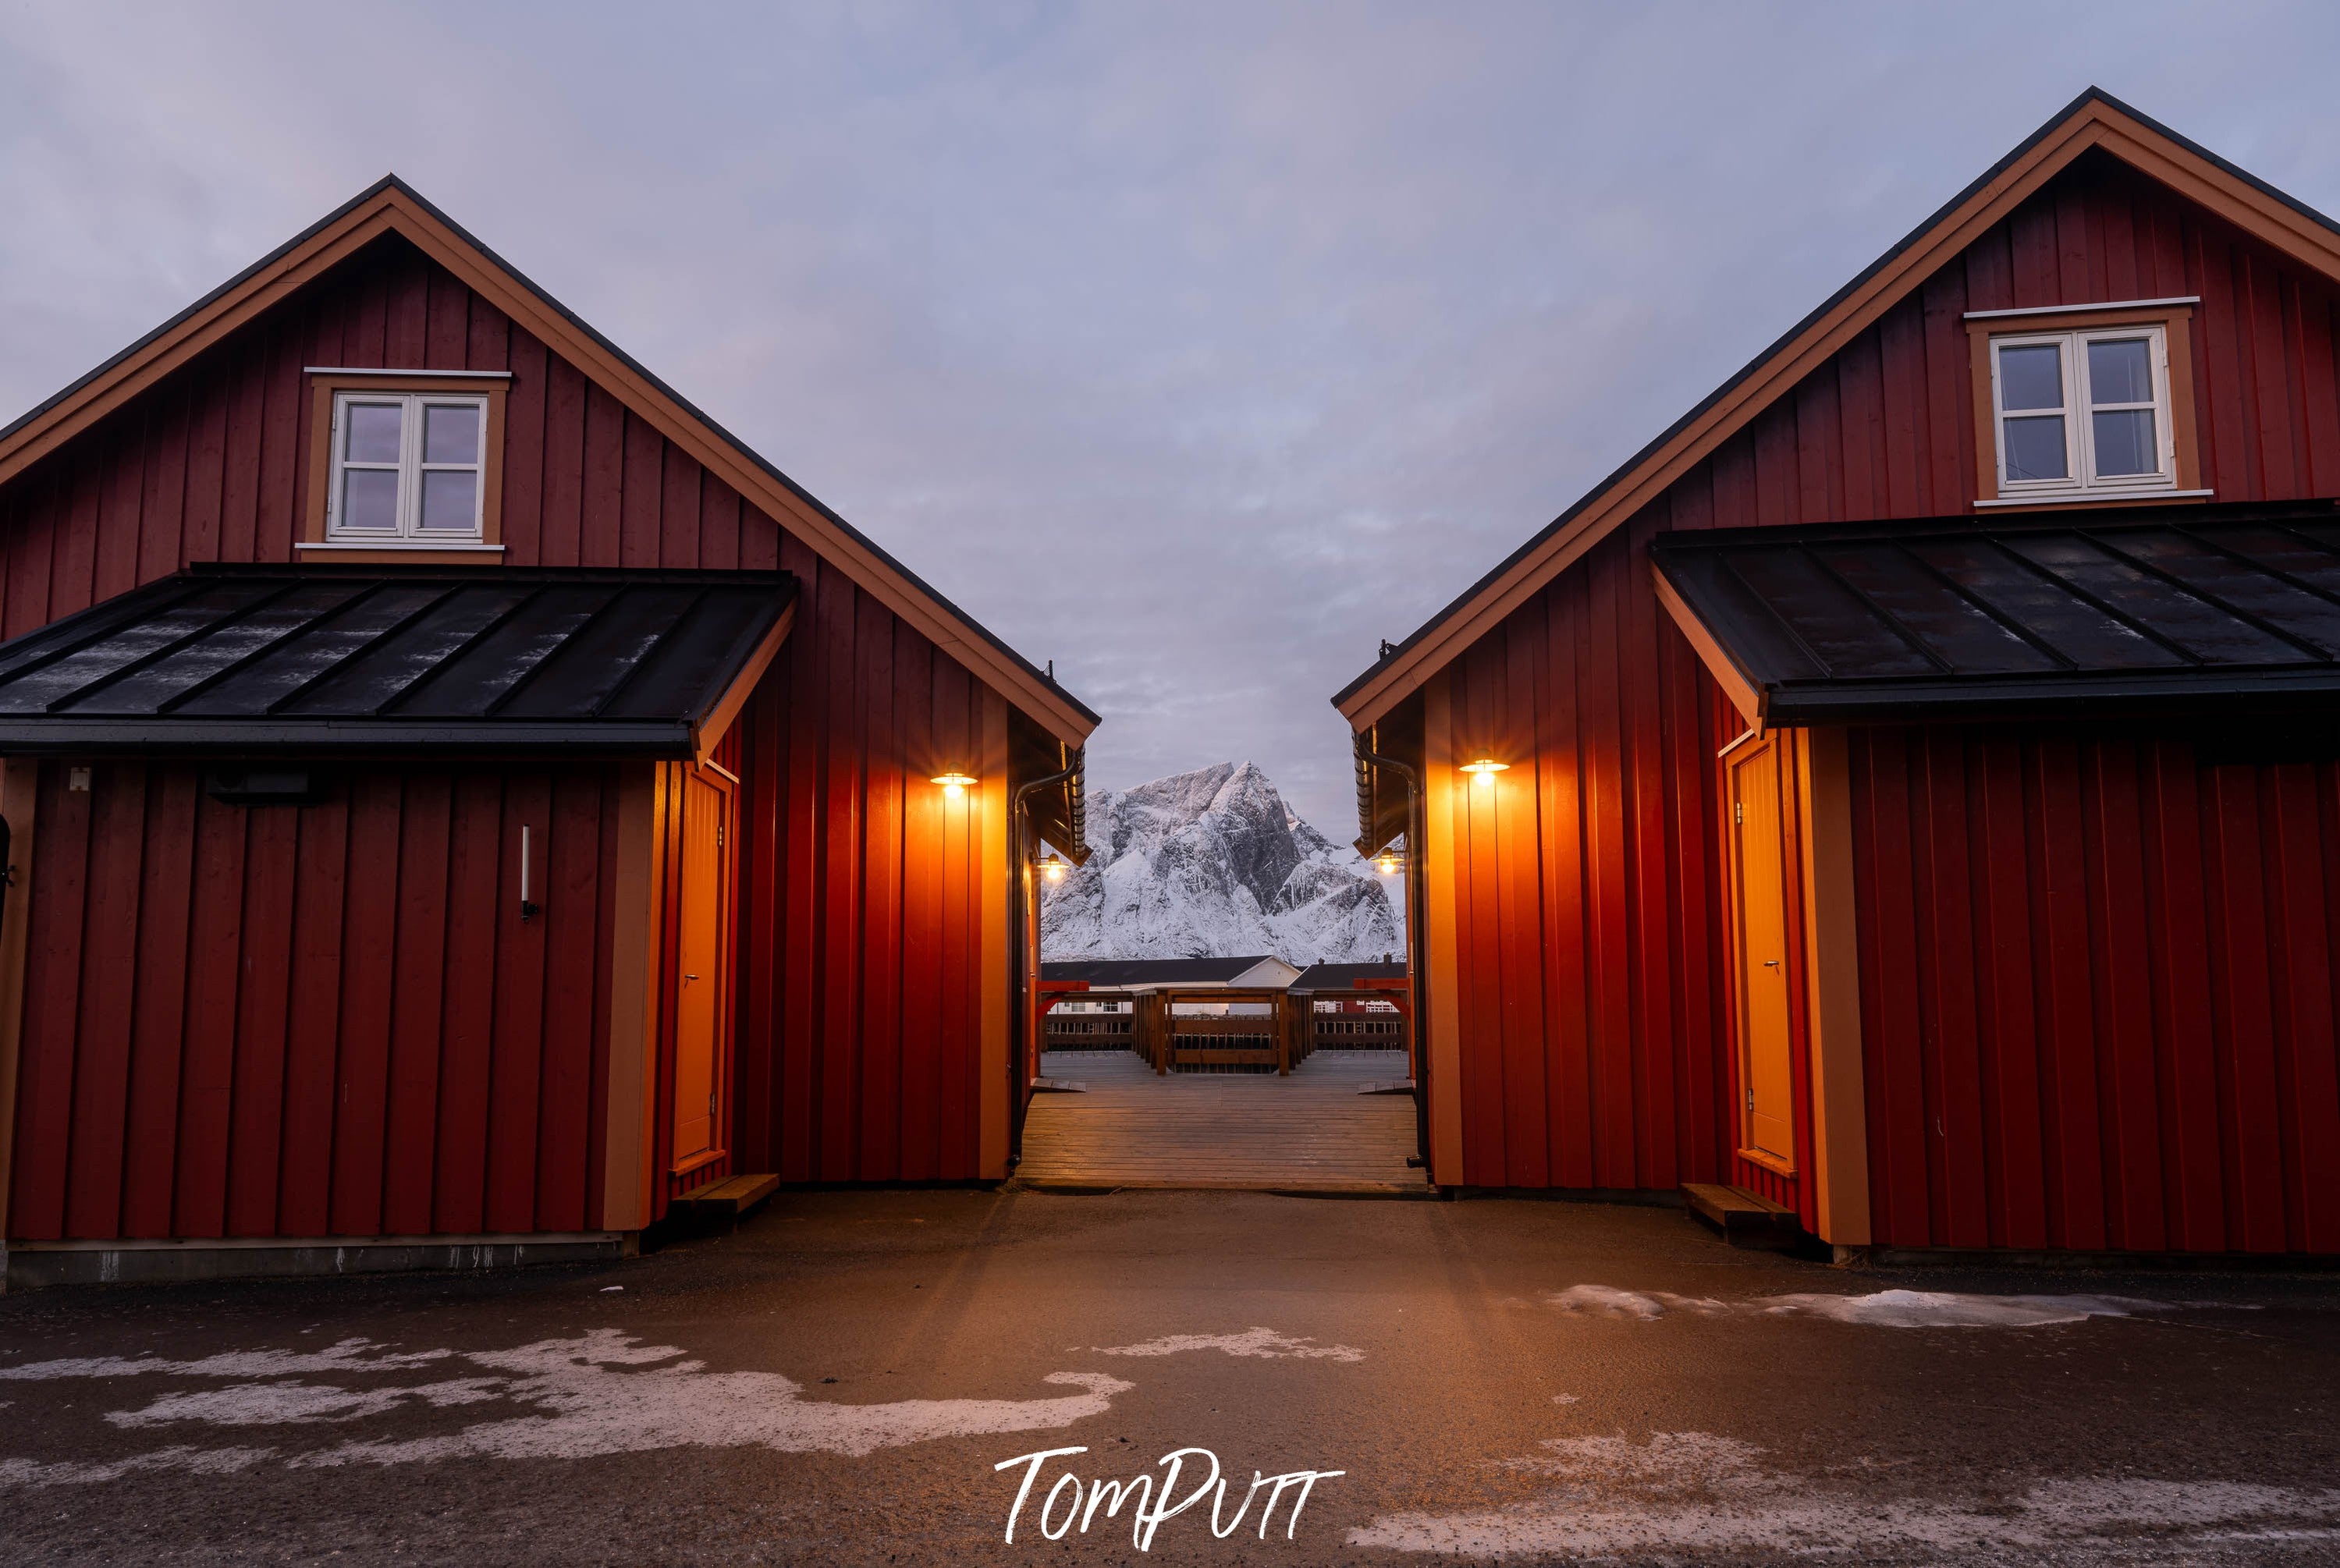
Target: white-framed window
(2083, 412)
(408, 468)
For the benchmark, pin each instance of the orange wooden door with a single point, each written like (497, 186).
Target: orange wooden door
(702, 982)
(1759, 918)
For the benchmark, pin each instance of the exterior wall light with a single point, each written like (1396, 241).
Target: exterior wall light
(1052, 868)
(1485, 769)
(1387, 864)
(954, 784)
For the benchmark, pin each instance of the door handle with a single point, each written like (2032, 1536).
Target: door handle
(691, 976)
(1768, 963)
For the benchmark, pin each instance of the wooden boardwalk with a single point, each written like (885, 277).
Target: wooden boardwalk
(1309, 1132)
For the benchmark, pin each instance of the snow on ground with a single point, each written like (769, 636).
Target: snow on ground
(1609, 1497)
(1261, 1342)
(600, 1393)
(1878, 1309)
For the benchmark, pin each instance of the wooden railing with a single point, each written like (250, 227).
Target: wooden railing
(1228, 1031)
(1064, 1031)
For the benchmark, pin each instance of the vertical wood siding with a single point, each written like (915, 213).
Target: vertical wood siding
(1594, 1032)
(313, 1020)
(858, 1040)
(2097, 984)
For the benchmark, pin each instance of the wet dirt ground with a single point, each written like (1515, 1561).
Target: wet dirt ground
(840, 1379)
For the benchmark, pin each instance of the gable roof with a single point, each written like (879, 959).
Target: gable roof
(2094, 120)
(391, 206)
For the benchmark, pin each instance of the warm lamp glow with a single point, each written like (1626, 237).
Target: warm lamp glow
(1485, 768)
(955, 784)
(1386, 864)
(1052, 868)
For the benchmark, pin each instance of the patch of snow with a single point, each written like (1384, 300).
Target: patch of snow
(1214, 864)
(600, 1393)
(1260, 1341)
(349, 1355)
(1878, 1309)
(276, 1403)
(1698, 1492)
(80, 1473)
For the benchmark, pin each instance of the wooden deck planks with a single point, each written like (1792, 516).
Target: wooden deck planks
(1314, 1130)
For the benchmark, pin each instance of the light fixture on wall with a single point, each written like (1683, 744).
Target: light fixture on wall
(1485, 769)
(1388, 864)
(954, 784)
(1052, 866)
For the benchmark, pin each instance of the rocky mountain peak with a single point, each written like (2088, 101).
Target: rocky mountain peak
(1214, 863)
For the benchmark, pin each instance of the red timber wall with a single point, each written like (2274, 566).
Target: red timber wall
(315, 1021)
(861, 993)
(1589, 988)
(2097, 998)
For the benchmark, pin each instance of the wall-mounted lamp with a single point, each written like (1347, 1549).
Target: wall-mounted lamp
(1485, 769)
(1053, 867)
(954, 784)
(1388, 864)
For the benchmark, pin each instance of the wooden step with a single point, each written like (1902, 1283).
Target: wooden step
(729, 1199)
(1744, 1218)
(1389, 1086)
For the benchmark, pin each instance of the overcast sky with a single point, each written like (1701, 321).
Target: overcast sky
(1194, 347)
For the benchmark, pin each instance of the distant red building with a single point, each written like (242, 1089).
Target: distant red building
(1907, 789)
(459, 797)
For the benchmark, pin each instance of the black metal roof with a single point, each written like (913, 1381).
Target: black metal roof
(2146, 611)
(323, 660)
(1151, 971)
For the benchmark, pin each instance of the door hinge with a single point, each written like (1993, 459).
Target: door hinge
(1751, 1103)
(718, 835)
(1738, 812)
(710, 1103)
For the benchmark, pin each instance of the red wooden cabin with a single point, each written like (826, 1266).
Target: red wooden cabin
(1906, 790)
(459, 799)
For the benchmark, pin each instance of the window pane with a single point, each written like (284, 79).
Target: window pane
(372, 432)
(2031, 376)
(2120, 371)
(2034, 449)
(451, 500)
(2125, 443)
(369, 499)
(451, 432)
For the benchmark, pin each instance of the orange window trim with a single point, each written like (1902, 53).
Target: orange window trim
(324, 385)
(2178, 321)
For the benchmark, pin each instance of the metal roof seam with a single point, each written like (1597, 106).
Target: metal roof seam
(1997, 617)
(1892, 621)
(406, 693)
(634, 670)
(301, 689)
(2094, 600)
(2216, 601)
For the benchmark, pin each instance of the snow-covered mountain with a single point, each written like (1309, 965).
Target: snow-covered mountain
(1213, 864)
